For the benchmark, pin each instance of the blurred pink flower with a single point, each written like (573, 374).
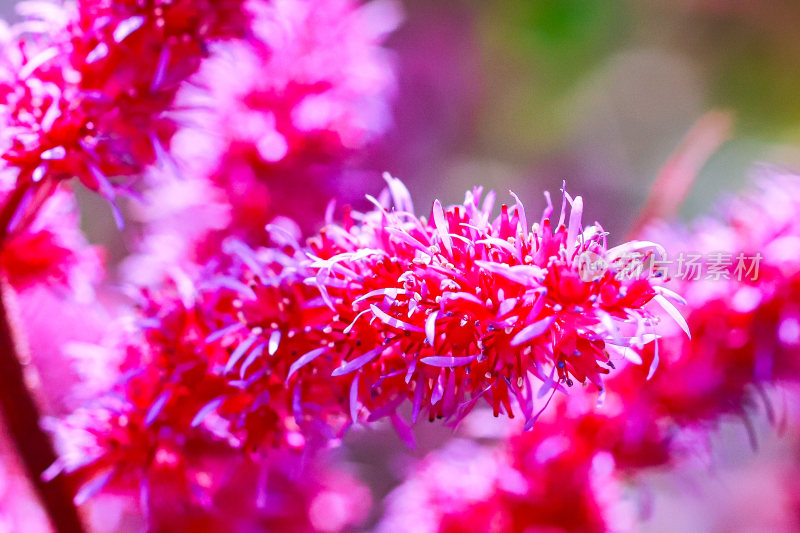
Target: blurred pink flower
(53, 274)
(745, 324)
(286, 110)
(542, 486)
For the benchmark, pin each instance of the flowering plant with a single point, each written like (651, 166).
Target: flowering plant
(265, 317)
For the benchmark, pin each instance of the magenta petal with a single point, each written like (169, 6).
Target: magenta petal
(358, 362)
(404, 431)
(206, 410)
(444, 361)
(304, 360)
(156, 407)
(442, 227)
(354, 399)
(532, 331)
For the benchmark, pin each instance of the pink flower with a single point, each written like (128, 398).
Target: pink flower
(288, 109)
(83, 88)
(292, 343)
(447, 310)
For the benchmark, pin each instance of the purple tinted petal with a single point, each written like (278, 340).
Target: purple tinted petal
(574, 225)
(304, 360)
(444, 361)
(419, 392)
(156, 407)
(523, 221)
(224, 331)
(206, 410)
(442, 227)
(354, 399)
(392, 321)
(673, 312)
(438, 389)
(654, 364)
(404, 431)
(430, 328)
(255, 354)
(358, 362)
(127, 26)
(240, 351)
(161, 69)
(93, 487)
(532, 331)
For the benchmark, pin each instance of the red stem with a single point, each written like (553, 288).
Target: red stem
(22, 419)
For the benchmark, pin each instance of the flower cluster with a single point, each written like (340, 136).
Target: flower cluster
(458, 307)
(390, 310)
(83, 88)
(287, 109)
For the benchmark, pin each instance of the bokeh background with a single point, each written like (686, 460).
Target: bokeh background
(522, 94)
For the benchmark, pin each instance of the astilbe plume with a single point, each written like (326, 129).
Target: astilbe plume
(83, 87)
(445, 311)
(290, 108)
(744, 332)
(279, 349)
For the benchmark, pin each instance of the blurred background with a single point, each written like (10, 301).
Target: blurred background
(522, 94)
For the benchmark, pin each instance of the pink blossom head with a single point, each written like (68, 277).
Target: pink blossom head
(313, 80)
(447, 310)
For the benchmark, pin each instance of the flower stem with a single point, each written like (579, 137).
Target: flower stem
(21, 416)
